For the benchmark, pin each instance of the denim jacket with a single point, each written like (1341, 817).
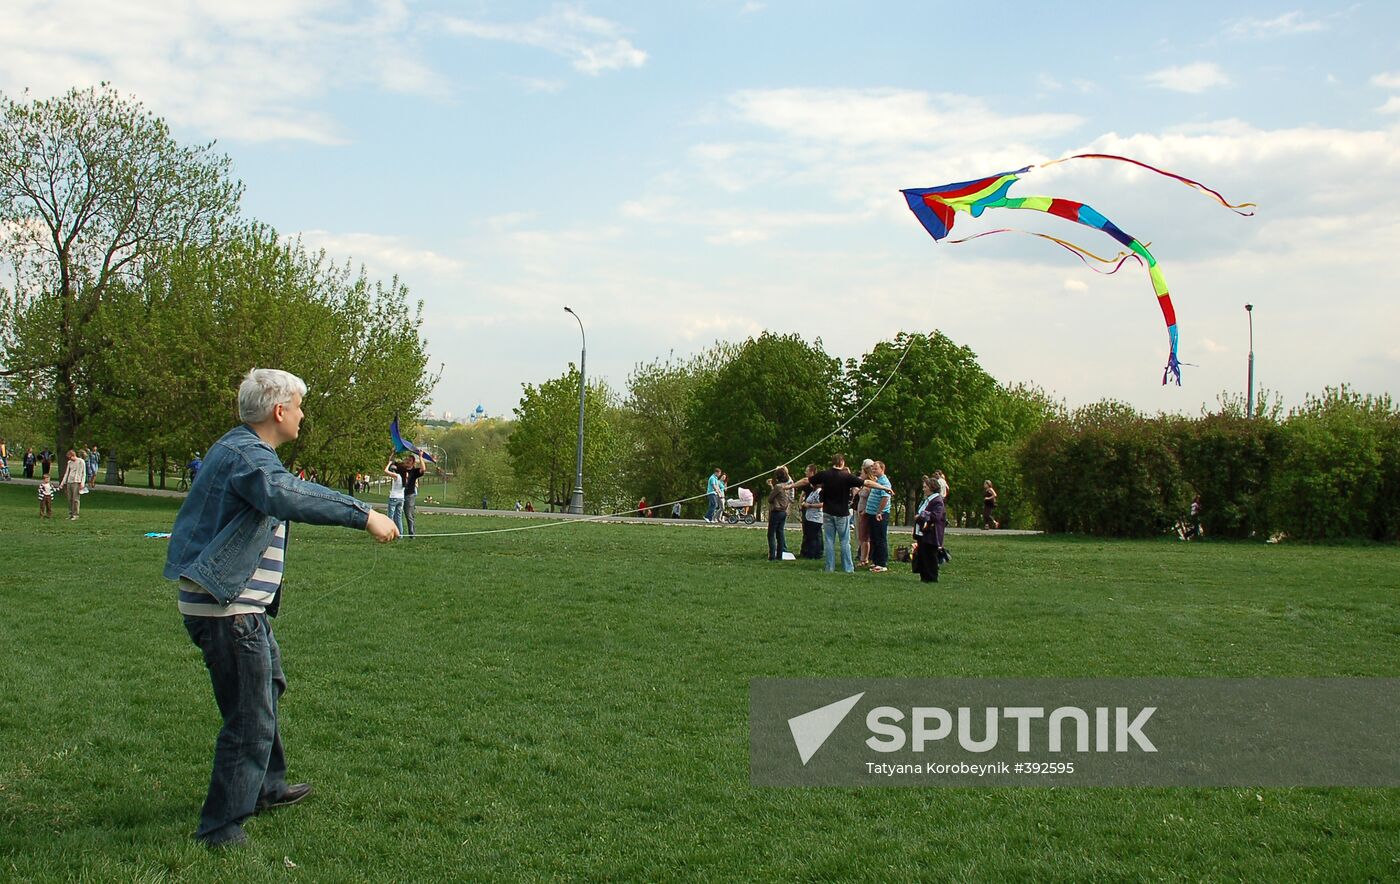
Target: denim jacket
(240, 495)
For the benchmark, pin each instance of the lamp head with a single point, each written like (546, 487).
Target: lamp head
(1249, 308)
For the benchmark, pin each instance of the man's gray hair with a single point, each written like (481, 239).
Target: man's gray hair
(265, 388)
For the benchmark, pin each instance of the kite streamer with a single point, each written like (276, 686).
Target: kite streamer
(936, 209)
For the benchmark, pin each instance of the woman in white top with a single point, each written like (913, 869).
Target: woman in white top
(395, 495)
(74, 474)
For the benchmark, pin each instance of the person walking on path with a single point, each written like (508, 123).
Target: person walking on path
(989, 505)
(29, 461)
(228, 552)
(74, 472)
(714, 492)
(94, 461)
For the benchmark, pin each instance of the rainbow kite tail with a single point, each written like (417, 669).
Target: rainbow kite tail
(1173, 369)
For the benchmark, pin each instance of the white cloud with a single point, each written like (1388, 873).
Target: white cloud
(738, 237)
(241, 71)
(887, 116)
(509, 220)
(1075, 285)
(1285, 24)
(592, 45)
(382, 255)
(751, 7)
(1391, 106)
(1192, 78)
(538, 86)
(1388, 80)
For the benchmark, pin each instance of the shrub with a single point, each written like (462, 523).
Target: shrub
(1108, 472)
(1227, 460)
(1327, 483)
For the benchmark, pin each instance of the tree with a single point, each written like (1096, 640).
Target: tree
(205, 314)
(931, 413)
(92, 186)
(660, 396)
(1339, 470)
(543, 445)
(775, 397)
(479, 461)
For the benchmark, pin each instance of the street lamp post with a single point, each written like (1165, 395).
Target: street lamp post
(576, 502)
(1249, 414)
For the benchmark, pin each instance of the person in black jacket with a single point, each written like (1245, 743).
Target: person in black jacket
(837, 484)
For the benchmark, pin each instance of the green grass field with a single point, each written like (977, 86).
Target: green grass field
(572, 702)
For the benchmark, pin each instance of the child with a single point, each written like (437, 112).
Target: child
(45, 498)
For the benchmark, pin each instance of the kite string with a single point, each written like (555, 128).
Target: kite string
(373, 564)
(555, 523)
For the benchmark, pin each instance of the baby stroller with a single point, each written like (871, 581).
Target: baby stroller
(739, 509)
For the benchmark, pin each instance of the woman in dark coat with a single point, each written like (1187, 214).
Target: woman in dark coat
(928, 532)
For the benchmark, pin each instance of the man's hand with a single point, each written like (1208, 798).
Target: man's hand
(381, 527)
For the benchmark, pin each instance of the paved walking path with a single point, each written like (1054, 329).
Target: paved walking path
(512, 514)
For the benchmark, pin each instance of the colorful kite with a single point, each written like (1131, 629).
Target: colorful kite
(936, 207)
(401, 445)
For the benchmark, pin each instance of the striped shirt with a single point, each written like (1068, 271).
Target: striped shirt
(877, 501)
(257, 593)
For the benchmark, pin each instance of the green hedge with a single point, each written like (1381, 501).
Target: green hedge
(1329, 470)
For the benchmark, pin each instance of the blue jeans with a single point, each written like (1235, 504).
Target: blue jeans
(712, 508)
(408, 500)
(396, 512)
(245, 667)
(837, 529)
(777, 539)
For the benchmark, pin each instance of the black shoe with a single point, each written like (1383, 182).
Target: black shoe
(293, 795)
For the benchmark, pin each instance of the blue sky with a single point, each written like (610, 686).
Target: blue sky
(685, 172)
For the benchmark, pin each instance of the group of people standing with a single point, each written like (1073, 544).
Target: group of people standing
(827, 510)
(831, 499)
